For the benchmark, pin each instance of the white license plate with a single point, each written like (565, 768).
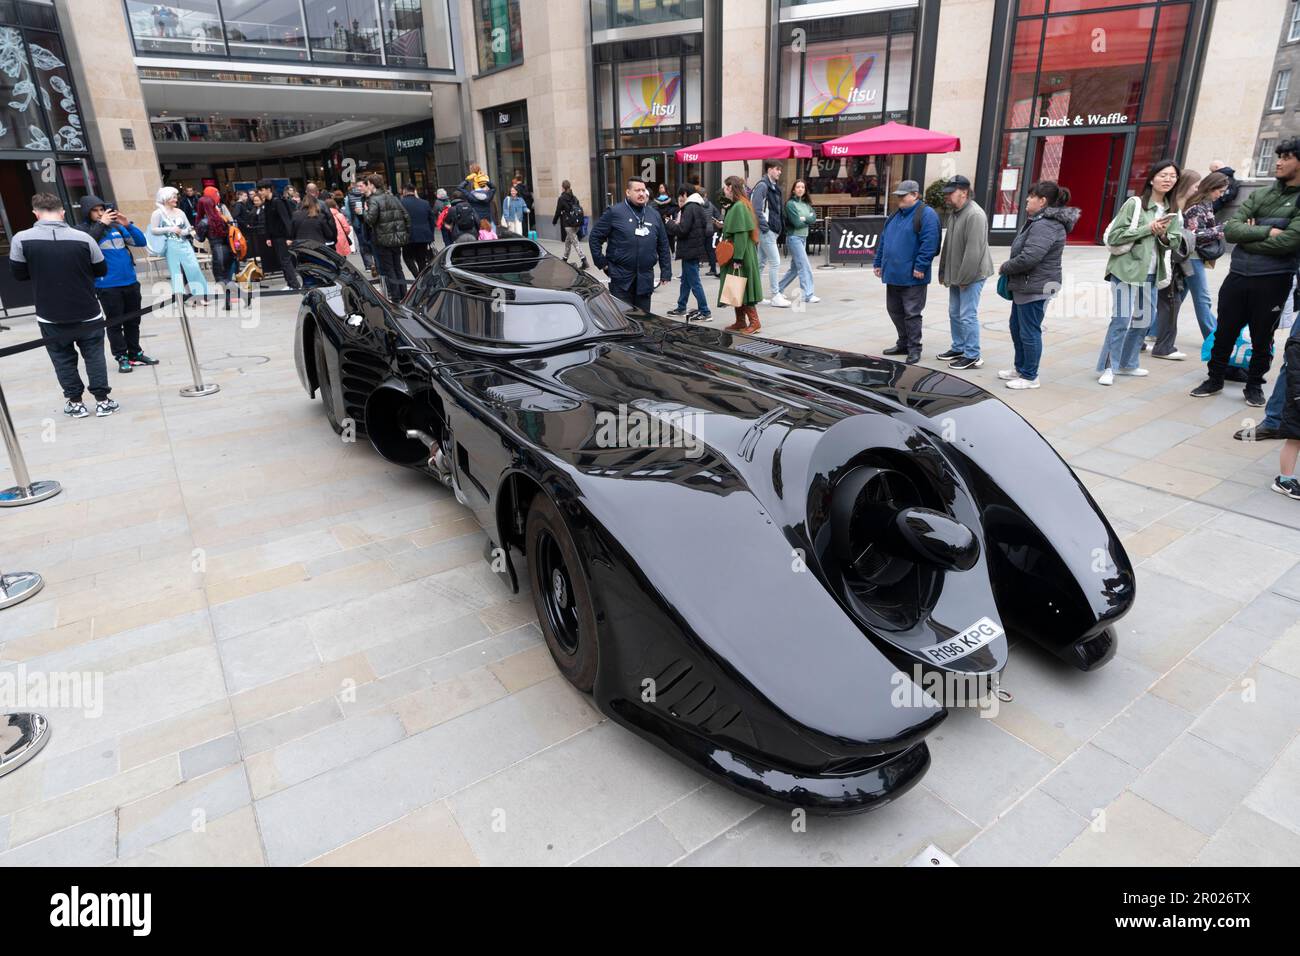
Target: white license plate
(967, 642)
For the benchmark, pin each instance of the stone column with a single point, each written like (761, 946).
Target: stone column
(957, 106)
(101, 57)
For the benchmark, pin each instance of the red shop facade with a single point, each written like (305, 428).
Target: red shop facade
(1087, 93)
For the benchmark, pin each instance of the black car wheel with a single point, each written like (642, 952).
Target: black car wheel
(561, 595)
(324, 383)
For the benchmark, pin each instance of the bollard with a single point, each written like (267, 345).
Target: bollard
(826, 238)
(198, 388)
(18, 586)
(26, 491)
(21, 738)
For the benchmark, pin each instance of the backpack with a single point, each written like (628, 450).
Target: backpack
(572, 214)
(463, 217)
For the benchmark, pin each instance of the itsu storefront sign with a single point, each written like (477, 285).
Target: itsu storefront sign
(854, 239)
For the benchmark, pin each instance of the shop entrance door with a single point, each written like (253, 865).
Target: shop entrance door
(1091, 166)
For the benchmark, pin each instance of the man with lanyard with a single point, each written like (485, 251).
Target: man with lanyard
(626, 242)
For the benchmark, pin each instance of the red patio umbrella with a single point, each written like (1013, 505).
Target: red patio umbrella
(891, 139)
(743, 145)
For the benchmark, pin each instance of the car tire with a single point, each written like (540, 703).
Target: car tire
(561, 594)
(324, 382)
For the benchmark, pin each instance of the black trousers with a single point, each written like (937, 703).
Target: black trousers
(641, 302)
(123, 339)
(388, 259)
(905, 303)
(416, 256)
(1253, 302)
(290, 271)
(63, 342)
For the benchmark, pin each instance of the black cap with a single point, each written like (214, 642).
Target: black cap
(957, 182)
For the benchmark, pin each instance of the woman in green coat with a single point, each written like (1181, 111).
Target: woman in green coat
(741, 229)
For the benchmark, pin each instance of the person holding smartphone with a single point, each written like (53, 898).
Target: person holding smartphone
(1140, 240)
(118, 289)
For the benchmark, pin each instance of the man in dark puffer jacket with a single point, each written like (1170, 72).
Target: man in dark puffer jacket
(390, 230)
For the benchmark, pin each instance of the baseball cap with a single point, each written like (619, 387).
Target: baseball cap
(957, 182)
(907, 186)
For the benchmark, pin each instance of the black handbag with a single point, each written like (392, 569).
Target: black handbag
(1212, 249)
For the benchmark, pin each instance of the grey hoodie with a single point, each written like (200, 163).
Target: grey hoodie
(1034, 268)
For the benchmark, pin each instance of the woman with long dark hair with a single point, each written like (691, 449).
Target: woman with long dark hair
(1200, 222)
(313, 223)
(740, 227)
(1034, 274)
(1140, 240)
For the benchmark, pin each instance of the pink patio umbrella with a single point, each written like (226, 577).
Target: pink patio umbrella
(891, 139)
(745, 145)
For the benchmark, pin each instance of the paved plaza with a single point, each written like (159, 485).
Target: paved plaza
(305, 659)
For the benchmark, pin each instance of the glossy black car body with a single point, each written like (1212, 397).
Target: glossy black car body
(754, 583)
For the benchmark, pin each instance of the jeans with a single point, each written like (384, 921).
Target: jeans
(388, 259)
(963, 317)
(1133, 308)
(769, 258)
(124, 338)
(181, 259)
(1198, 286)
(905, 303)
(691, 284)
(1253, 302)
(223, 260)
(1027, 336)
(798, 247)
(1273, 411)
(63, 342)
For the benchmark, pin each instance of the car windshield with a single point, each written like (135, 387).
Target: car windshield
(501, 320)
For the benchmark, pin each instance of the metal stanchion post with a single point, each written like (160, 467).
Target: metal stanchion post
(198, 388)
(25, 491)
(826, 239)
(21, 738)
(18, 586)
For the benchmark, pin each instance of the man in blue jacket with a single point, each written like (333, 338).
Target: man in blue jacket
(907, 246)
(423, 226)
(626, 242)
(119, 289)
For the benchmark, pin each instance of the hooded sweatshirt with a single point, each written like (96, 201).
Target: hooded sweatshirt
(113, 242)
(1034, 270)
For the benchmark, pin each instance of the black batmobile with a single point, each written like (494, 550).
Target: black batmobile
(749, 551)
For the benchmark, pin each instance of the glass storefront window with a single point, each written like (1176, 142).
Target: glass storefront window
(898, 97)
(612, 14)
(500, 37)
(343, 31)
(192, 26)
(270, 29)
(1166, 59)
(1093, 68)
(1151, 146)
(403, 24)
(55, 84)
(1024, 68)
(649, 95)
(1010, 176)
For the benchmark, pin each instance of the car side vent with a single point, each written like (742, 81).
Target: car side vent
(688, 698)
(757, 347)
(513, 393)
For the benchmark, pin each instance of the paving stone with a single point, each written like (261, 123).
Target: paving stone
(1190, 685)
(559, 805)
(1233, 649)
(194, 804)
(648, 844)
(1142, 732)
(979, 768)
(1135, 833)
(1276, 795)
(230, 840)
(282, 728)
(4, 833)
(428, 837)
(889, 836)
(1250, 839)
(1170, 617)
(79, 769)
(1089, 781)
(1031, 833)
(90, 843)
(706, 813)
(217, 753)
(332, 746)
(1196, 782)
(1284, 655)
(267, 655)
(1254, 721)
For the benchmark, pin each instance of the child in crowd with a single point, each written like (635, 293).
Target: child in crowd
(485, 230)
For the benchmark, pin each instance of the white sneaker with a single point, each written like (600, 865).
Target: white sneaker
(1135, 372)
(780, 302)
(1107, 377)
(1023, 383)
(1008, 375)
(812, 299)
(1172, 356)
(765, 302)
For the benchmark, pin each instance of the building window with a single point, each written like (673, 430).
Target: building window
(1280, 90)
(265, 29)
(500, 40)
(613, 14)
(1264, 161)
(192, 26)
(1293, 31)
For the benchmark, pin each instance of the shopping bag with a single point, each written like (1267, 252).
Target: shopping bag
(733, 290)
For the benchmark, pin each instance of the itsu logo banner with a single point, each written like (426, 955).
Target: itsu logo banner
(854, 239)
